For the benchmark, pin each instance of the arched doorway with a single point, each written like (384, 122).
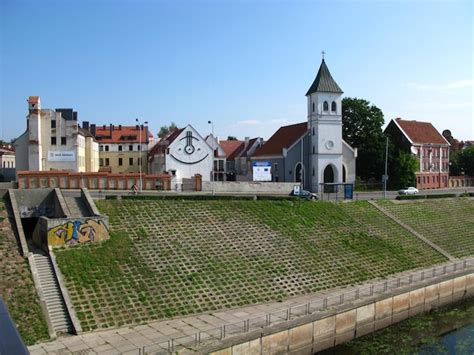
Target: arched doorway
(344, 177)
(328, 178)
(299, 173)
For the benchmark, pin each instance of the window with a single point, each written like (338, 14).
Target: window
(313, 106)
(53, 123)
(101, 148)
(325, 106)
(333, 106)
(313, 150)
(53, 140)
(130, 147)
(313, 131)
(418, 179)
(275, 166)
(106, 148)
(313, 171)
(139, 147)
(130, 161)
(120, 148)
(424, 181)
(106, 161)
(120, 161)
(101, 161)
(63, 140)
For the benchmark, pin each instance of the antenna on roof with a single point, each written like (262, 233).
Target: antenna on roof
(323, 53)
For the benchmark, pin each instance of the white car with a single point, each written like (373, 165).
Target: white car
(408, 191)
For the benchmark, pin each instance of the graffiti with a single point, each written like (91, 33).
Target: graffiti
(77, 232)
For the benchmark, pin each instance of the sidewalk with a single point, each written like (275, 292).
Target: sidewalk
(194, 331)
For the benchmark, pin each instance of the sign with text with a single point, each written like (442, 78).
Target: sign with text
(262, 171)
(61, 155)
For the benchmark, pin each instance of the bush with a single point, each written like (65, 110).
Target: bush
(111, 197)
(411, 197)
(441, 196)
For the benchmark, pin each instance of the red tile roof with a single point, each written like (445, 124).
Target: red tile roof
(283, 138)
(421, 132)
(160, 147)
(121, 134)
(230, 146)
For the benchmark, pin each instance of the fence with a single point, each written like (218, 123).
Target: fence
(215, 335)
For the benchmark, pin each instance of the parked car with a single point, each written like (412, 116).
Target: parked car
(305, 194)
(408, 191)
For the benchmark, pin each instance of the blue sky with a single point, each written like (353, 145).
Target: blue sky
(245, 65)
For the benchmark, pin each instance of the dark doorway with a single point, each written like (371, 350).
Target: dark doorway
(299, 173)
(328, 178)
(344, 174)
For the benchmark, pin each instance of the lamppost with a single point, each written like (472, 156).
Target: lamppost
(141, 151)
(213, 149)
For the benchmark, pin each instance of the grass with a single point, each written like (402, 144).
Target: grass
(169, 257)
(17, 288)
(448, 223)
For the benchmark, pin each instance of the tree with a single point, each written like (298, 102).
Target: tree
(164, 130)
(466, 160)
(362, 129)
(231, 138)
(402, 168)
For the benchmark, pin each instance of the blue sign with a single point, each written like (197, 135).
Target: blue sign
(348, 191)
(261, 163)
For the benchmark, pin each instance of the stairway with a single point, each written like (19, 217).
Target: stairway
(53, 298)
(76, 206)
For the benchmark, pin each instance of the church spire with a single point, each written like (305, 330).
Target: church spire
(324, 81)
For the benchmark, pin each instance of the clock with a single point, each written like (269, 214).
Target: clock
(189, 149)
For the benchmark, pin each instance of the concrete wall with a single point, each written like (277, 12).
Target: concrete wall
(38, 202)
(309, 334)
(251, 187)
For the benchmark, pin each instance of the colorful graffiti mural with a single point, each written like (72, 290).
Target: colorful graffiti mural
(78, 232)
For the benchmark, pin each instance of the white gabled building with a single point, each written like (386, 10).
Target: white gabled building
(182, 153)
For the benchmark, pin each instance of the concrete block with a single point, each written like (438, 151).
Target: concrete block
(346, 321)
(459, 284)
(365, 329)
(429, 305)
(301, 336)
(382, 323)
(255, 347)
(307, 350)
(398, 317)
(241, 349)
(459, 295)
(227, 351)
(324, 328)
(445, 288)
(431, 293)
(383, 308)
(416, 310)
(275, 343)
(445, 300)
(345, 337)
(401, 302)
(470, 281)
(365, 314)
(323, 344)
(417, 297)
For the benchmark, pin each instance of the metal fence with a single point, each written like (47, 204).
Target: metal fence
(319, 304)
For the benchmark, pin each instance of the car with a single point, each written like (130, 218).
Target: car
(408, 191)
(305, 194)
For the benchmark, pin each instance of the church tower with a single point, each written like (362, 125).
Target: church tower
(325, 126)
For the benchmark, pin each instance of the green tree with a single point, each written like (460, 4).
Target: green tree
(455, 167)
(402, 169)
(362, 129)
(164, 130)
(231, 138)
(466, 160)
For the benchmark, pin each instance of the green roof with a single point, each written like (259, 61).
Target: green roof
(324, 81)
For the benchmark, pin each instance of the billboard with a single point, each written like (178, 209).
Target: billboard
(61, 155)
(262, 171)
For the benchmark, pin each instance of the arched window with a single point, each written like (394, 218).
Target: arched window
(313, 106)
(333, 106)
(313, 131)
(325, 106)
(3, 164)
(313, 149)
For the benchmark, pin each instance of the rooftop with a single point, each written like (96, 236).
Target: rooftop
(121, 134)
(324, 81)
(421, 132)
(285, 137)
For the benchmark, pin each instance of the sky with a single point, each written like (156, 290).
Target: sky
(244, 65)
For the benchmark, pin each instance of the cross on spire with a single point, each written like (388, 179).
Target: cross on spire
(323, 53)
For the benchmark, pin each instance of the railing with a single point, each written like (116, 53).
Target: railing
(215, 335)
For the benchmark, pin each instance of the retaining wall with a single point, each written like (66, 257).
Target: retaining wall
(256, 187)
(311, 334)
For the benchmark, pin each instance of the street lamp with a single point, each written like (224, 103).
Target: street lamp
(141, 151)
(213, 149)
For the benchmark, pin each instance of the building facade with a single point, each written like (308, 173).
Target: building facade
(313, 153)
(429, 147)
(122, 149)
(53, 140)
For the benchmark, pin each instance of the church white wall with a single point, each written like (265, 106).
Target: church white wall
(349, 161)
(187, 171)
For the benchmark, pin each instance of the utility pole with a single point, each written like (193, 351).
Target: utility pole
(385, 177)
(140, 150)
(213, 160)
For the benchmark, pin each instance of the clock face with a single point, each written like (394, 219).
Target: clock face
(189, 149)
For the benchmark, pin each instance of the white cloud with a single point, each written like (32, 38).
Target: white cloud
(455, 85)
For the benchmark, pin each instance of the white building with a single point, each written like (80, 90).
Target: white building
(53, 140)
(182, 153)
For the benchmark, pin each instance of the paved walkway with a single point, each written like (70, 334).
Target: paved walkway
(169, 335)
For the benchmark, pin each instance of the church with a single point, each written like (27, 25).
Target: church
(312, 153)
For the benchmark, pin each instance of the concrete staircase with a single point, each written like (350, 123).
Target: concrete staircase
(76, 206)
(53, 298)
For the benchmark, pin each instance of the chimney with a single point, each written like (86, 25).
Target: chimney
(85, 125)
(93, 129)
(111, 129)
(120, 127)
(247, 140)
(103, 127)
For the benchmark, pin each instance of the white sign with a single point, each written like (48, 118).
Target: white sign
(262, 171)
(62, 155)
(296, 190)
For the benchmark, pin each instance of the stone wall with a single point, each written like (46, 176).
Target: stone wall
(309, 335)
(283, 188)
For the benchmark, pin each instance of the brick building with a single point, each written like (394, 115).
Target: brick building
(429, 147)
